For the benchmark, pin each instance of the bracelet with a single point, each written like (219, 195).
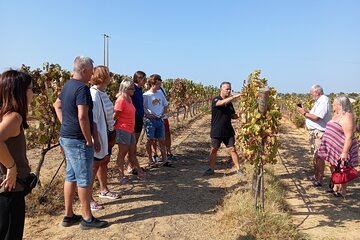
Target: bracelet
(12, 166)
(305, 114)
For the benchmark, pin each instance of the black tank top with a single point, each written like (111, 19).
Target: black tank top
(17, 149)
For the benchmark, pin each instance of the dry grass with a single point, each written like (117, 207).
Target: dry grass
(51, 204)
(239, 214)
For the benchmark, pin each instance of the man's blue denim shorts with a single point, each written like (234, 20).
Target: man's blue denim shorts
(79, 161)
(154, 128)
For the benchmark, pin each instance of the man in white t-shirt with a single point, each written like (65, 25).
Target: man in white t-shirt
(315, 121)
(155, 106)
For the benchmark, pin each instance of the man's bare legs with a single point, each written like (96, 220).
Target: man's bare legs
(84, 196)
(212, 157)
(149, 147)
(234, 157)
(162, 149)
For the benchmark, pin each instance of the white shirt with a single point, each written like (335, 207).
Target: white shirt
(321, 109)
(154, 103)
(99, 119)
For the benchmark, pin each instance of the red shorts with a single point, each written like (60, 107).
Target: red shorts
(166, 125)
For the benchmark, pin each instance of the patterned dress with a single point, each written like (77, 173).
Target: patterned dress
(332, 144)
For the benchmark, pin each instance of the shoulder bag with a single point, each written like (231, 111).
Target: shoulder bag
(344, 174)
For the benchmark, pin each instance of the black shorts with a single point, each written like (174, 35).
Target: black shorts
(228, 141)
(139, 123)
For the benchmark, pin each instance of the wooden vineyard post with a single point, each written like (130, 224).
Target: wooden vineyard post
(263, 100)
(259, 171)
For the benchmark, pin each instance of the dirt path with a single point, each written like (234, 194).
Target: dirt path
(174, 203)
(315, 212)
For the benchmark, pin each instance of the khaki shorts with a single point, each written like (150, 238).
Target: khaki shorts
(315, 140)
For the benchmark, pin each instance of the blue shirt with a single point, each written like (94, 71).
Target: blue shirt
(138, 101)
(74, 93)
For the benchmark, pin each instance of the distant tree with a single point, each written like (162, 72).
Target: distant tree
(353, 95)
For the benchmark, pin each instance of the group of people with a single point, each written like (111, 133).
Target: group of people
(331, 137)
(88, 118)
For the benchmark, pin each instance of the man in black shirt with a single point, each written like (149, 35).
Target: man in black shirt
(74, 110)
(222, 111)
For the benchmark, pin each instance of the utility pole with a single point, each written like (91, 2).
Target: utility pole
(106, 49)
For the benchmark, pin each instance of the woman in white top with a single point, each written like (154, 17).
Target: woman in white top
(103, 110)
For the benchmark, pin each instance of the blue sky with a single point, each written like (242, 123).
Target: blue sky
(295, 43)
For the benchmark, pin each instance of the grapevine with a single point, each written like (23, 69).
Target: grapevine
(254, 129)
(45, 128)
(256, 134)
(356, 109)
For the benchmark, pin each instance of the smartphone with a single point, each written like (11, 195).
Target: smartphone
(299, 105)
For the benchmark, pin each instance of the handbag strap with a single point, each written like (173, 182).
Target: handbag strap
(338, 166)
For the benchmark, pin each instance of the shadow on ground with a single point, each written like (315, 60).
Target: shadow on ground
(296, 158)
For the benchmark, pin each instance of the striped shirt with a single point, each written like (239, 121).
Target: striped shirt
(102, 104)
(108, 108)
(332, 144)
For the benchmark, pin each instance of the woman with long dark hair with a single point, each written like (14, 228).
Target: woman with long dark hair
(15, 96)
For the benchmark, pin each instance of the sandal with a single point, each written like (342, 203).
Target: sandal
(337, 194)
(95, 206)
(168, 164)
(135, 172)
(330, 190)
(124, 180)
(311, 178)
(109, 195)
(144, 176)
(317, 184)
(153, 165)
